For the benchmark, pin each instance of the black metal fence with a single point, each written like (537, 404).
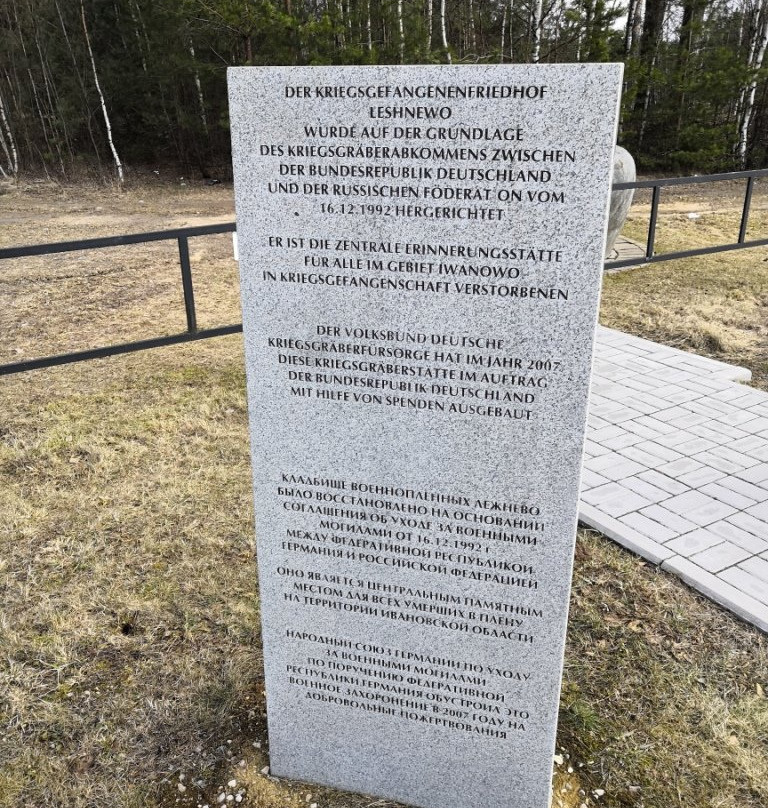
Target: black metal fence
(650, 256)
(182, 236)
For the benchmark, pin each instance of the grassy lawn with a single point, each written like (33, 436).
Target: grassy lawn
(130, 662)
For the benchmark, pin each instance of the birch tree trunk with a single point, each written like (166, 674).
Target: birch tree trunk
(472, 32)
(136, 33)
(443, 31)
(199, 87)
(368, 27)
(503, 33)
(536, 31)
(429, 25)
(107, 124)
(400, 33)
(13, 157)
(761, 43)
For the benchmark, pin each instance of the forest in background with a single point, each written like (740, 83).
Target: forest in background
(100, 87)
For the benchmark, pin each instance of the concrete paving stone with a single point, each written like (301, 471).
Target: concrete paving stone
(700, 477)
(600, 388)
(732, 394)
(626, 414)
(662, 481)
(590, 479)
(760, 511)
(642, 385)
(642, 430)
(719, 590)
(738, 418)
(760, 454)
(606, 351)
(600, 364)
(757, 567)
(736, 457)
(711, 409)
(757, 475)
(691, 419)
(677, 467)
(691, 444)
(672, 439)
(755, 426)
(747, 583)
(698, 508)
(635, 401)
(718, 432)
(675, 394)
(695, 383)
(655, 424)
(687, 501)
(669, 414)
(624, 535)
(593, 422)
(641, 364)
(717, 462)
(619, 442)
(637, 454)
(634, 348)
(743, 487)
(675, 375)
(726, 495)
(614, 372)
(664, 453)
(613, 466)
(720, 557)
(594, 449)
(694, 542)
(647, 527)
(610, 431)
(752, 398)
(613, 499)
(612, 411)
(749, 523)
(735, 535)
(669, 519)
(651, 492)
(747, 443)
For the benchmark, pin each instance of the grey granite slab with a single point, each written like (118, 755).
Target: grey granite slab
(421, 252)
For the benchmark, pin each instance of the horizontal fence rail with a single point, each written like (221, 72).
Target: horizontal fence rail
(192, 334)
(182, 236)
(650, 256)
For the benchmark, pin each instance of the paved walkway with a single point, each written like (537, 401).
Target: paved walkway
(623, 248)
(676, 467)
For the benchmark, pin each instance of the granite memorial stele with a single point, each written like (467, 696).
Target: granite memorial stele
(421, 251)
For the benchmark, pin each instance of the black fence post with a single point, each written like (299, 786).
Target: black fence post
(745, 210)
(186, 280)
(652, 226)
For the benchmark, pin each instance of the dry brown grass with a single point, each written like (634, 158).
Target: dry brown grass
(129, 634)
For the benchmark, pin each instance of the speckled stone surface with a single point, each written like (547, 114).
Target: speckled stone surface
(420, 252)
